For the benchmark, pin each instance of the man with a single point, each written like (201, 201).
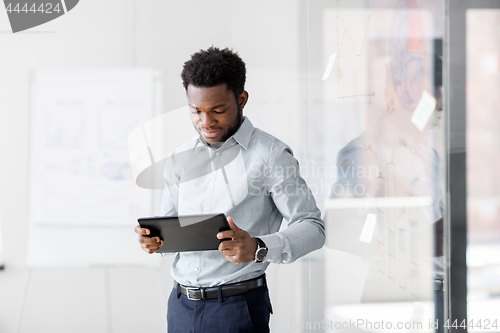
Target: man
(254, 179)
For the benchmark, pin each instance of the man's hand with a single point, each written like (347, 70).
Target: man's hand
(241, 248)
(148, 244)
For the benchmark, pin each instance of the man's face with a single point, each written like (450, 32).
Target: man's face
(215, 112)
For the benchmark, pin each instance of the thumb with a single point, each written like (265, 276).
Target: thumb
(231, 224)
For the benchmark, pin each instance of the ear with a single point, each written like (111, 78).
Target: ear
(243, 99)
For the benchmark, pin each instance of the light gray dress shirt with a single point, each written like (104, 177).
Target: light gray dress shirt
(254, 178)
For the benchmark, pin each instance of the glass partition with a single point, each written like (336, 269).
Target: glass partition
(371, 108)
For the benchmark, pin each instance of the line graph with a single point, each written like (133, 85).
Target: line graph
(349, 30)
(347, 37)
(358, 95)
(346, 32)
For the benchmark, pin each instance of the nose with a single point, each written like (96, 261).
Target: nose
(206, 119)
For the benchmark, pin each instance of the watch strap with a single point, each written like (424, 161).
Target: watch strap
(260, 243)
(261, 250)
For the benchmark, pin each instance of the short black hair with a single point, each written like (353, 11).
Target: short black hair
(211, 67)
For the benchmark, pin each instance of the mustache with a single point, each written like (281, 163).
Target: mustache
(209, 128)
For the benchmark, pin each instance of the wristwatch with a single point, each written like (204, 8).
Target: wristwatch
(261, 253)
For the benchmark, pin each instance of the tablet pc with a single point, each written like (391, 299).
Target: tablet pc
(186, 233)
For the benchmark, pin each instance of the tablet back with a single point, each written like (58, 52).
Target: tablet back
(199, 234)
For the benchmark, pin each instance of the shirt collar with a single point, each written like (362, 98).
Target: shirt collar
(242, 135)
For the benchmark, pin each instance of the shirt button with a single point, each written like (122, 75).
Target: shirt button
(210, 183)
(196, 269)
(217, 154)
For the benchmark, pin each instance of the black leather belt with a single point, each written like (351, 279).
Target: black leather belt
(227, 290)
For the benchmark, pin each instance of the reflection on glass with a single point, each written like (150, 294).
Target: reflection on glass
(384, 261)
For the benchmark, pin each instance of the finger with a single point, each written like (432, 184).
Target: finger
(227, 234)
(141, 231)
(150, 250)
(149, 240)
(154, 247)
(234, 259)
(227, 245)
(230, 253)
(151, 246)
(230, 256)
(232, 224)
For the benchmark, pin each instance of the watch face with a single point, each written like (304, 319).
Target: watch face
(261, 254)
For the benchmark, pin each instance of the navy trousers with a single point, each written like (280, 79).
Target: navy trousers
(439, 310)
(247, 312)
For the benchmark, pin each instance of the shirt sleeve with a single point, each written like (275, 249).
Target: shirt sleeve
(296, 203)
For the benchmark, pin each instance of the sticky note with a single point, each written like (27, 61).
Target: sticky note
(331, 61)
(368, 228)
(423, 111)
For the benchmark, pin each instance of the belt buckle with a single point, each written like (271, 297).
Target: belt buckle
(202, 291)
(438, 285)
